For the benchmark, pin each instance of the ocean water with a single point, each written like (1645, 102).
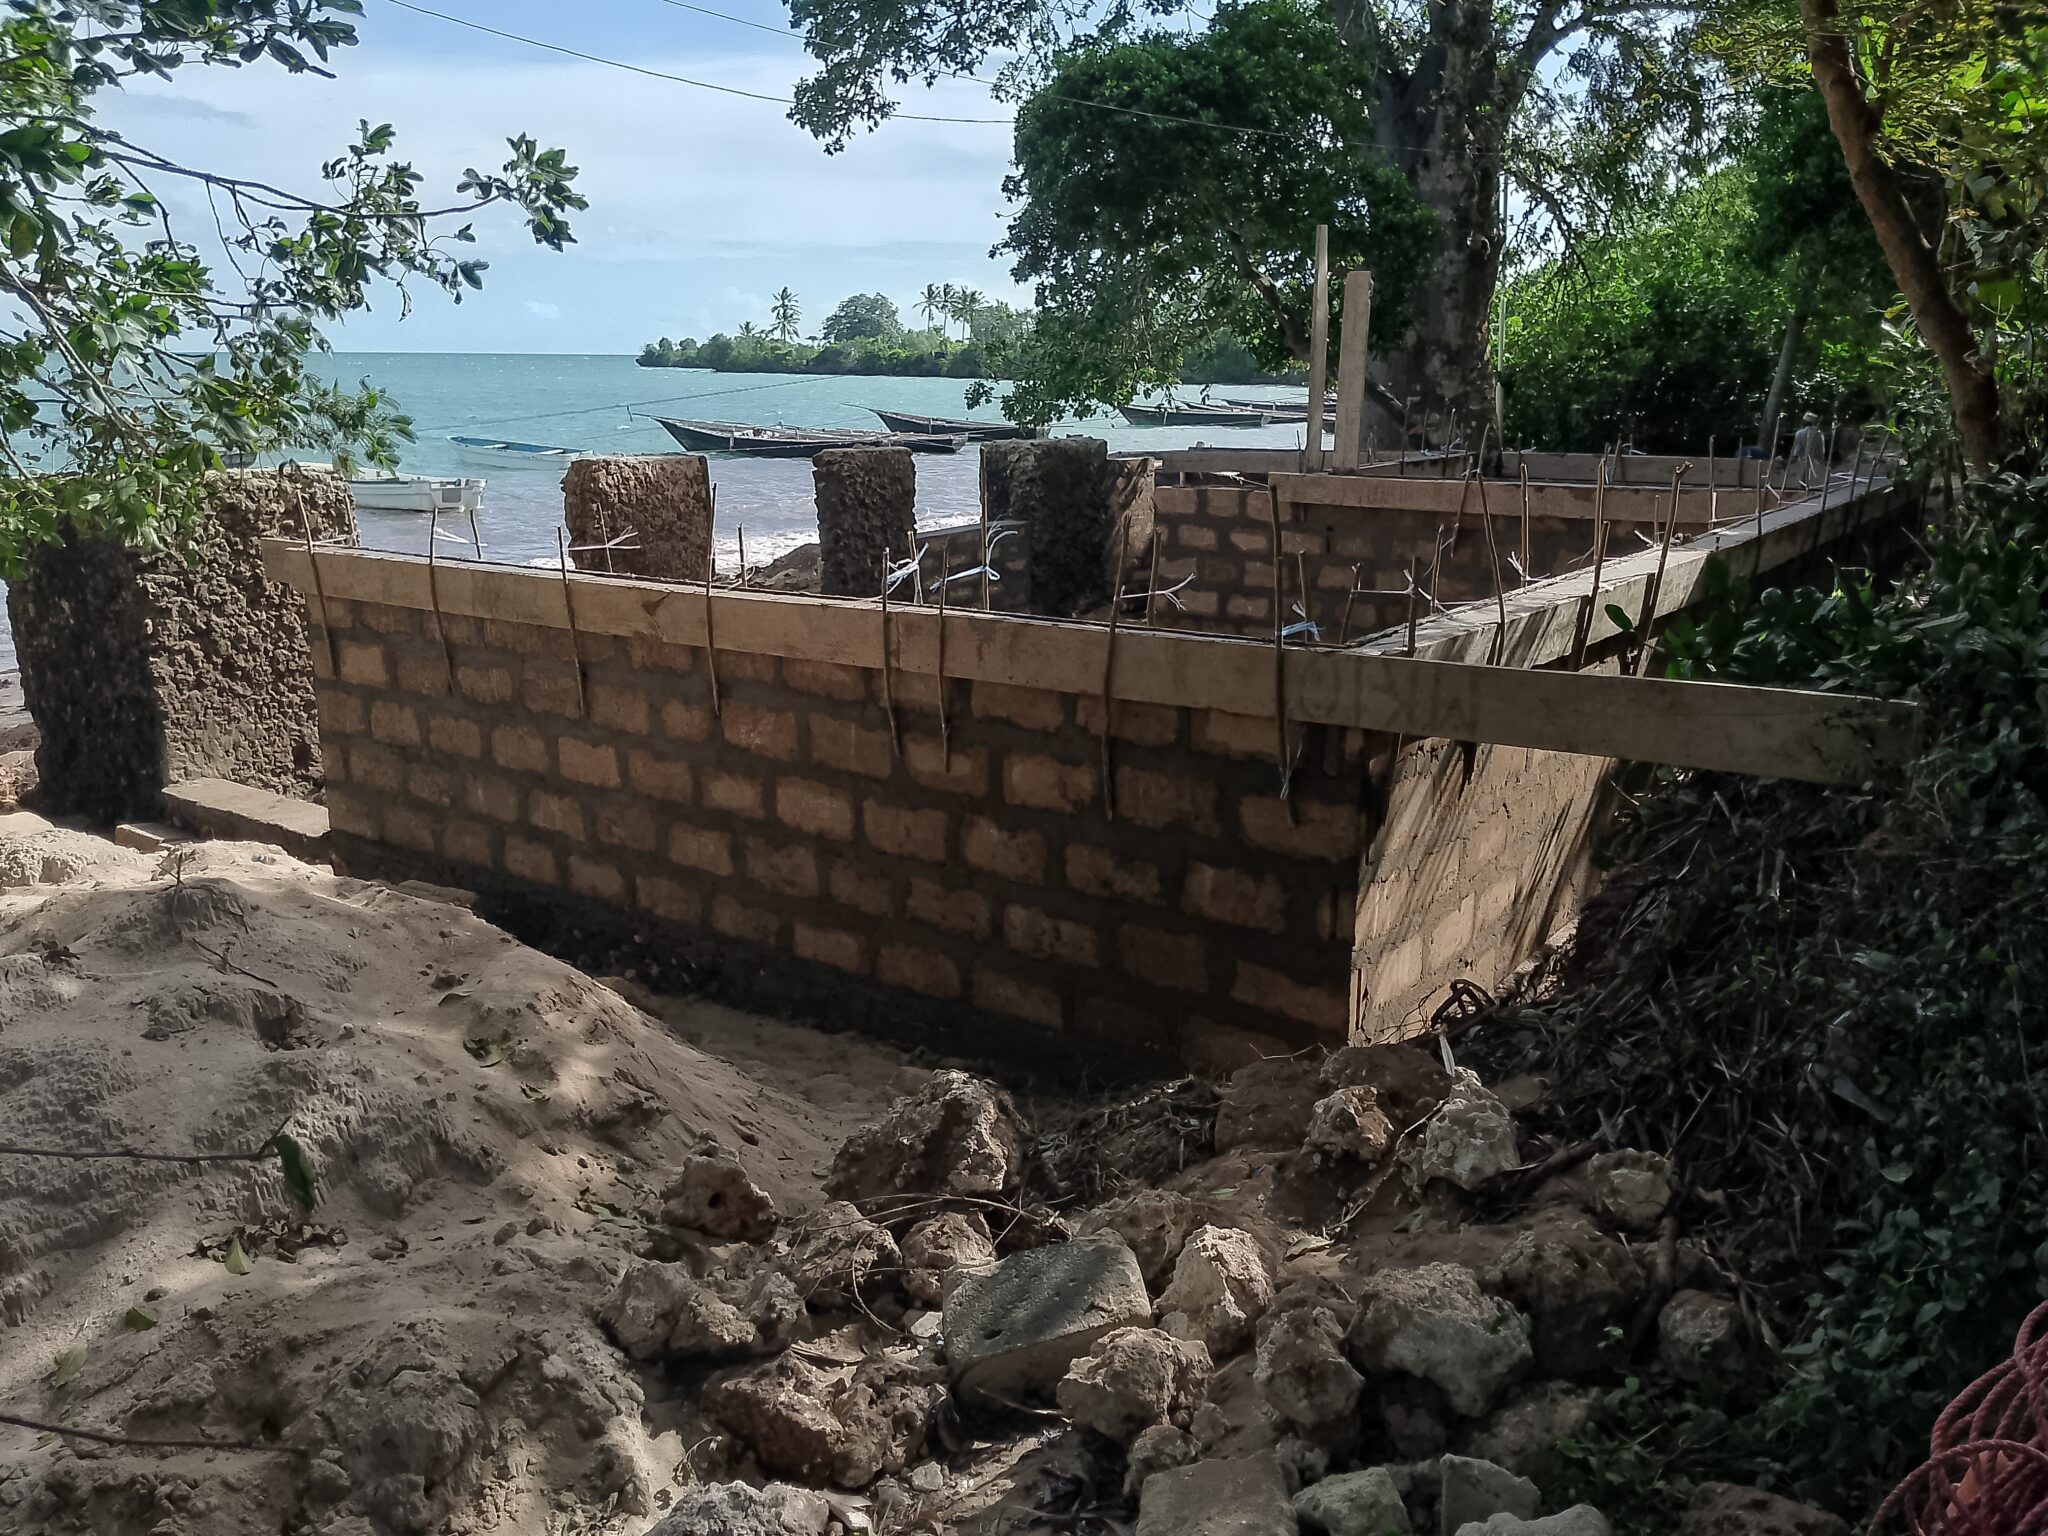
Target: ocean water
(606, 404)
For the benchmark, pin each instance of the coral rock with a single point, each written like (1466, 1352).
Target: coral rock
(1471, 1139)
(1578, 1285)
(1017, 1326)
(957, 1135)
(1154, 1222)
(835, 1253)
(939, 1244)
(1267, 1104)
(1700, 1336)
(1436, 1323)
(1246, 1497)
(1631, 1189)
(1302, 1370)
(1133, 1379)
(1158, 1449)
(711, 1193)
(736, 1509)
(1350, 1123)
(1364, 1503)
(1221, 1288)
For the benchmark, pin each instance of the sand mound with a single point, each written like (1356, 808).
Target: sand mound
(485, 1123)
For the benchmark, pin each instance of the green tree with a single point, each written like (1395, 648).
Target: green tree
(864, 316)
(932, 304)
(1955, 96)
(127, 364)
(1458, 94)
(1139, 251)
(785, 316)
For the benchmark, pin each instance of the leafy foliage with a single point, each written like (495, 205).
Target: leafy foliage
(863, 317)
(1666, 331)
(1145, 236)
(1822, 1005)
(126, 364)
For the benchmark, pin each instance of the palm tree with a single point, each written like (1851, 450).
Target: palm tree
(949, 303)
(748, 330)
(785, 315)
(971, 302)
(933, 304)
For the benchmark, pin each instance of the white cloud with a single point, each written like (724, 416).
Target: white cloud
(699, 203)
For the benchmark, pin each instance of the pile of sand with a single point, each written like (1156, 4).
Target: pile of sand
(484, 1121)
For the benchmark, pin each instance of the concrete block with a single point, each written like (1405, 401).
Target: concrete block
(1016, 1327)
(1244, 1497)
(149, 836)
(217, 808)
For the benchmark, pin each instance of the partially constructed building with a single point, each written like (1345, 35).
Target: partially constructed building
(1333, 743)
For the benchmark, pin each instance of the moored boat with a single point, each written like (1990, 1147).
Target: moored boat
(509, 453)
(946, 426)
(1192, 416)
(415, 493)
(797, 442)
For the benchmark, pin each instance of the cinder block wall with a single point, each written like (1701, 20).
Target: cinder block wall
(1222, 537)
(1482, 854)
(785, 843)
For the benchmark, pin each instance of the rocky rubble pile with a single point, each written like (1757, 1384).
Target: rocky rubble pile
(1407, 1364)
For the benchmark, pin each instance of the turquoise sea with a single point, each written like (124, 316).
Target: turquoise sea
(605, 405)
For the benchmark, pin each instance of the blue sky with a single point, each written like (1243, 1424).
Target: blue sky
(701, 204)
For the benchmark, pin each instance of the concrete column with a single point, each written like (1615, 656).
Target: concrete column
(1066, 494)
(665, 499)
(143, 670)
(867, 500)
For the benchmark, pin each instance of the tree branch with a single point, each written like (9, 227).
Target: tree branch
(138, 1442)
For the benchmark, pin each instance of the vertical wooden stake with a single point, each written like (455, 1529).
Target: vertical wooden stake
(741, 532)
(1351, 365)
(1318, 355)
(475, 537)
(1713, 486)
(1406, 406)
(569, 609)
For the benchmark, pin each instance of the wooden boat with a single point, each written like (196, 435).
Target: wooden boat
(507, 453)
(1192, 416)
(946, 426)
(1284, 410)
(415, 493)
(797, 442)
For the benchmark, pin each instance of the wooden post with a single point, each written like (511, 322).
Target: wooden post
(1351, 357)
(1318, 356)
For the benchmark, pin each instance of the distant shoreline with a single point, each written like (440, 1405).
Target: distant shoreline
(938, 369)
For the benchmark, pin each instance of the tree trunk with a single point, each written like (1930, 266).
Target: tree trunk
(1972, 387)
(1443, 127)
(1774, 402)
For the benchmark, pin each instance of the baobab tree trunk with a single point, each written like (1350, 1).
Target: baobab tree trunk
(1443, 125)
(1972, 386)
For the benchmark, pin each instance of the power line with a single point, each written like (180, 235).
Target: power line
(1078, 101)
(656, 74)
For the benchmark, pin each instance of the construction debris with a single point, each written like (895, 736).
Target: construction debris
(1015, 1327)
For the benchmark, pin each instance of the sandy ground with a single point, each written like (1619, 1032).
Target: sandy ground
(485, 1123)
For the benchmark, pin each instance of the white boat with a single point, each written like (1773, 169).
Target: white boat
(509, 454)
(415, 493)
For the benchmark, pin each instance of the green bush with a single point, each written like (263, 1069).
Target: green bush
(1822, 1004)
